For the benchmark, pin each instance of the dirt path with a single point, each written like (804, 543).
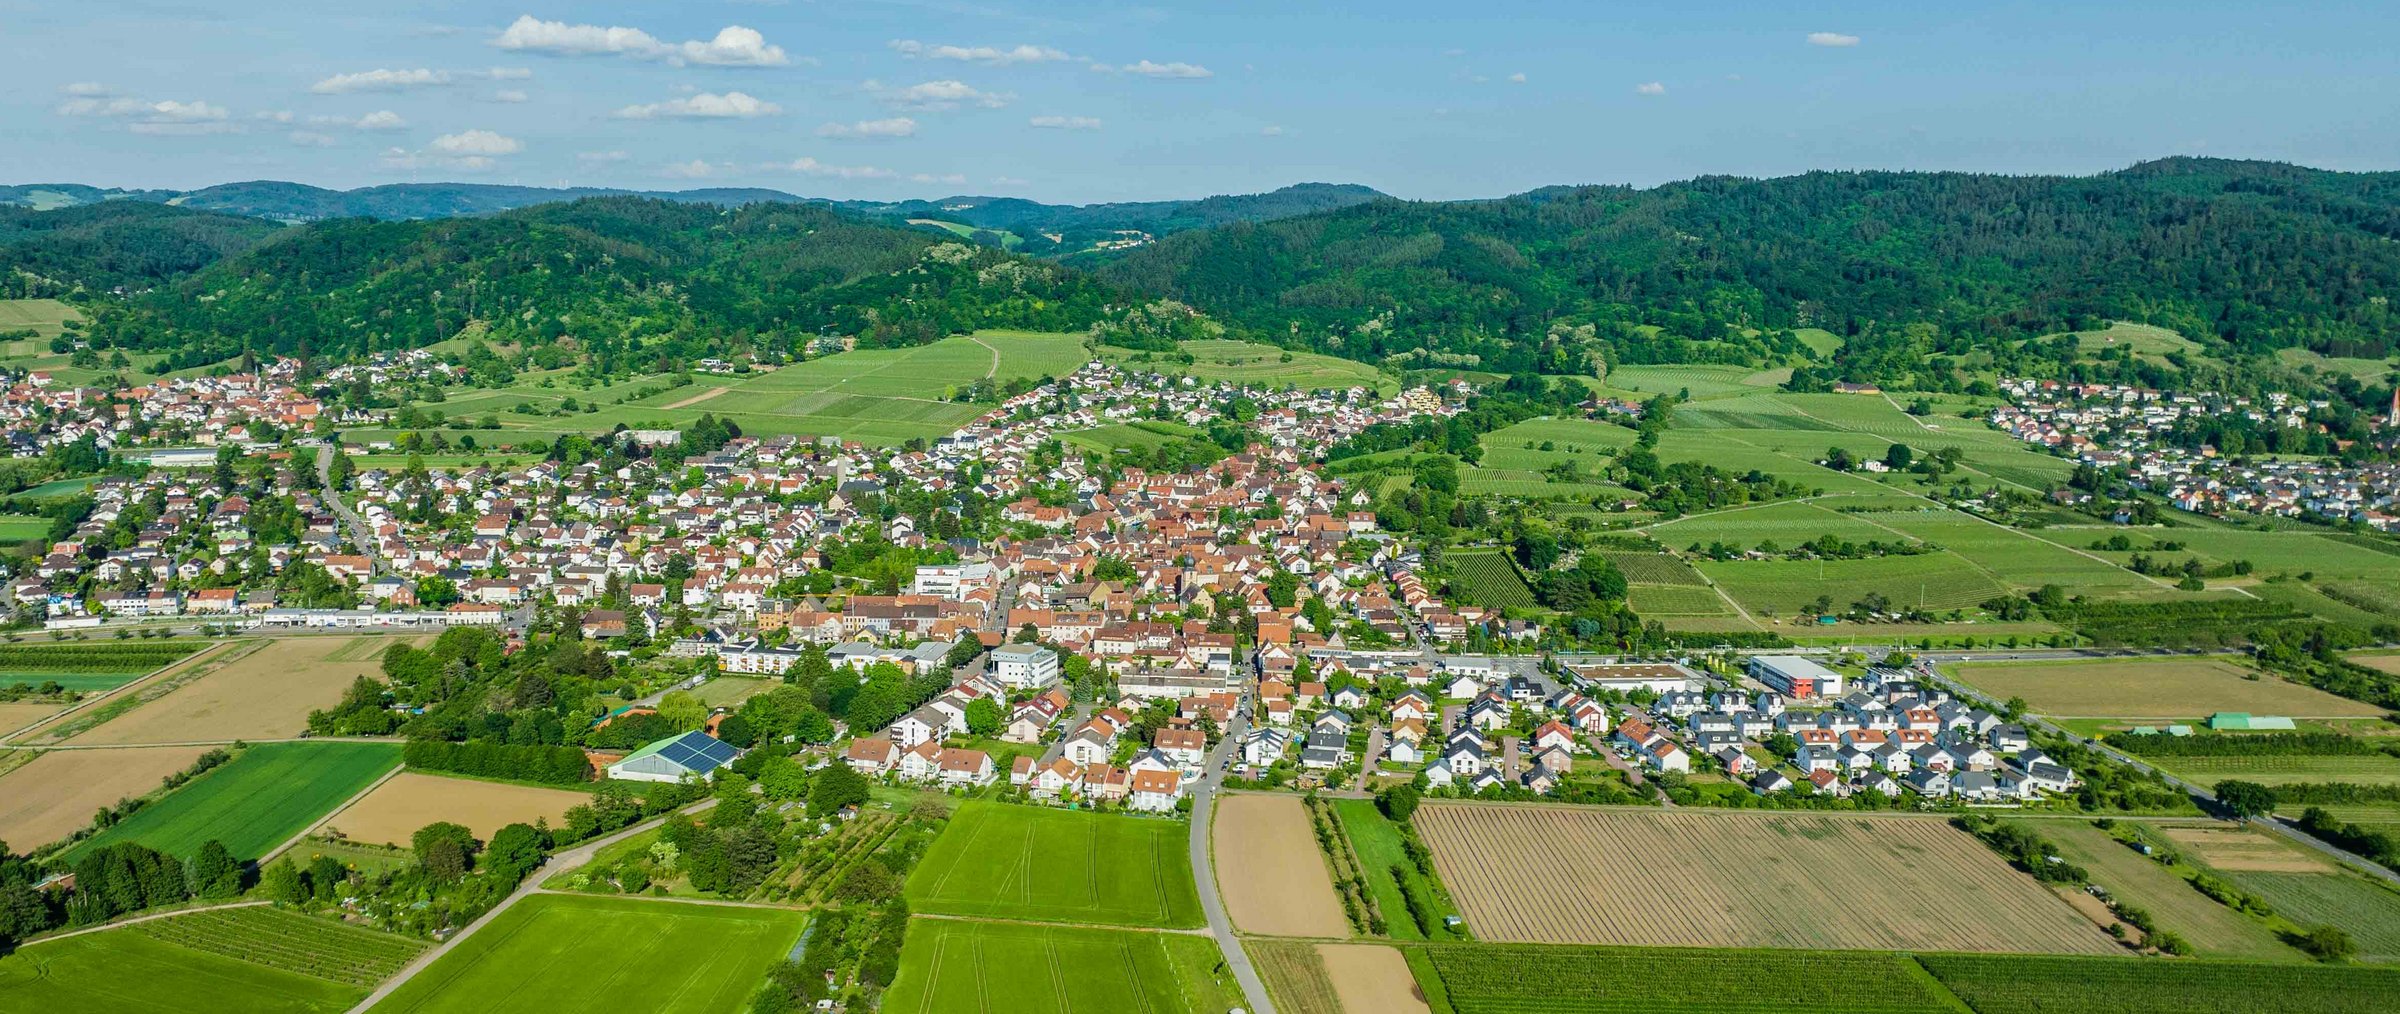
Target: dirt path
(995, 370)
(698, 398)
(122, 923)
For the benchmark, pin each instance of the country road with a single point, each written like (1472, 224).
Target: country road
(1204, 871)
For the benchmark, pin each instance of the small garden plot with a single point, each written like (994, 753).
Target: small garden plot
(1028, 862)
(556, 952)
(949, 965)
(2163, 688)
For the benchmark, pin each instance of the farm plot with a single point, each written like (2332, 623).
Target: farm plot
(56, 793)
(89, 667)
(19, 714)
(1786, 524)
(1509, 979)
(1654, 568)
(2357, 769)
(2019, 558)
(948, 966)
(321, 948)
(1026, 862)
(1490, 579)
(2019, 984)
(1295, 976)
(130, 970)
(1372, 978)
(1785, 587)
(2213, 929)
(1701, 382)
(1731, 451)
(1675, 600)
(1143, 435)
(44, 317)
(1217, 360)
(411, 800)
(256, 801)
(266, 694)
(2154, 688)
(1391, 876)
(1739, 879)
(1270, 869)
(556, 952)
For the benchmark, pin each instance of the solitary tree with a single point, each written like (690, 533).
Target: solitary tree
(2244, 800)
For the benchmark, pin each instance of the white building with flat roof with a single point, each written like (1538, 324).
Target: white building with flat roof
(1024, 666)
(1794, 676)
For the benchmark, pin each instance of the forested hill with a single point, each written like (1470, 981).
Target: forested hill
(115, 245)
(628, 278)
(2258, 255)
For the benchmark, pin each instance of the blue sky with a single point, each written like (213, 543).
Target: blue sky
(1079, 101)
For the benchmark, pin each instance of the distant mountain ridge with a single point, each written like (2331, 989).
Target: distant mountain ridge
(1033, 224)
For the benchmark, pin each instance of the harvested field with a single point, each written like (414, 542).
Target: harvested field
(266, 694)
(56, 793)
(2154, 688)
(16, 716)
(1684, 878)
(397, 808)
(1270, 869)
(2241, 849)
(1372, 979)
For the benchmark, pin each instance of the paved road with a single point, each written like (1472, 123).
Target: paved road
(577, 856)
(359, 533)
(1254, 989)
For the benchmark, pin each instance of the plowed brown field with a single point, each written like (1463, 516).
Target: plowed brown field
(266, 694)
(1270, 869)
(409, 800)
(57, 792)
(1684, 878)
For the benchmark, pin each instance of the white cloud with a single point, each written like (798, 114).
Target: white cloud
(167, 116)
(509, 95)
(387, 79)
(703, 106)
(979, 54)
(954, 179)
(1176, 69)
(601, 157)
(733, 46)
(1066, 122)
(311, 139)
(1517, 78)
(938, 95)
(1650, 88)
(897, 126)
(1274, 131)
(381, 119)
(1836, 39)
(692, 170)
(812, 167)
(87, 89)
(472, 150)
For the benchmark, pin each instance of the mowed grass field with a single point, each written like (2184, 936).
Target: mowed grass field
(874, 396)
(1934, 581)
(45, 317)
(948, 966)
(573, 952)
(246, 959)
(1518, 979)
(1542, 874)
(1025, 862)
(1143, 435)
(255, 802)
(1250, 364)
(2192, 687)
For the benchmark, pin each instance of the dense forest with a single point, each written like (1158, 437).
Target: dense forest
(619, 275)
(2243, 256)
(116, 245)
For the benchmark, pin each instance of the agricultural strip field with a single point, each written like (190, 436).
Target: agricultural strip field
(88, 667)
(874, 396)
(255, 802)
(19, 714)
(2193, 687)
(1294, 975)
(56, 793)
(949, 966)
(1371, 979)
(1380, 850)
(44, 317)
(1143, 435)
(2214, 930)
(556, 952)
(1218, 360)
(1512, 979)
(252, 959)
(411, 800)
(1540, 874)
(1026, 862)
(1783, 587)
(266, 694)
(1270, 870)
(2359, 769)
(2302, 885)
(1676, 600)
(1654, 568)
(20, 527)
(1489, 578)
(2020, 984)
